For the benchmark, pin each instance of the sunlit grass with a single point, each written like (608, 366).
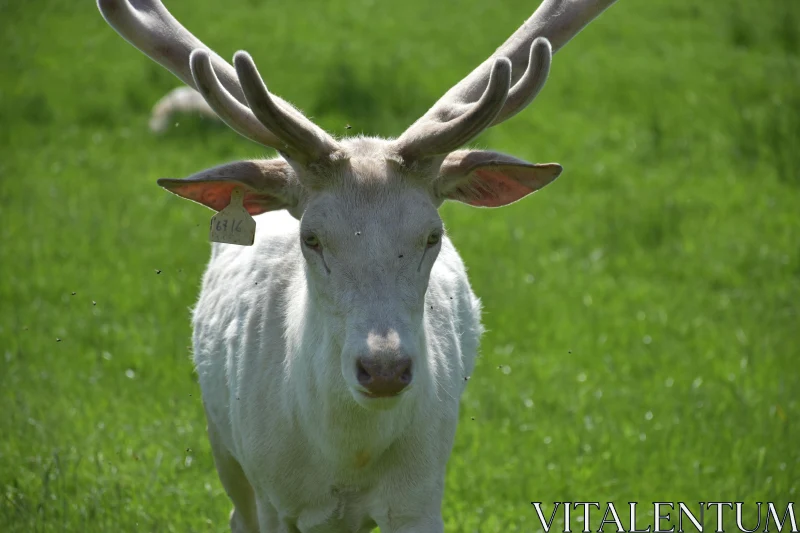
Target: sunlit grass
(642, 311)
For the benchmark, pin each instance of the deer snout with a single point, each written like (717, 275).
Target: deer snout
(382, 376)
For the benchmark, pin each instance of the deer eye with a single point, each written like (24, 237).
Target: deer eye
(311, 240)
(434, 238)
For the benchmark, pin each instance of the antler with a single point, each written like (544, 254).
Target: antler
(460, 115)
(148, 26)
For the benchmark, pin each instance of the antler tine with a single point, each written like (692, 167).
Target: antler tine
(529, 50)
(148, 26)
(558, 21)
(454, 125)
(305, 142)
(528, 86)
(232, 112)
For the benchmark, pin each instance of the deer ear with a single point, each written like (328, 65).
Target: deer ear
(268, 185)
(490, 179)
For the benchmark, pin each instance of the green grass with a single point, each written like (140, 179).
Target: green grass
(643, 312)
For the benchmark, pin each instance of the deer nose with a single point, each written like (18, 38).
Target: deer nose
(383, 377)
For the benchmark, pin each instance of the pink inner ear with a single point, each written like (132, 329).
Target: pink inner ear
(217, 195)
(495, 189)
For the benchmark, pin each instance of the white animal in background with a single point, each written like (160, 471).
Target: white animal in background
(179, 100)
(332, 354)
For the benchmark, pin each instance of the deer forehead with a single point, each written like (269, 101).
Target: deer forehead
(360, 165)
(376, 148)
(363, 209)
(369, 186)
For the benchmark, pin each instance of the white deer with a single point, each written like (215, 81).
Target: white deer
(333, 352)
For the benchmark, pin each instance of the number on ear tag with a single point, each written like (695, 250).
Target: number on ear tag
(233, 225)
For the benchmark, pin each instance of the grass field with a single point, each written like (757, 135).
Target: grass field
(643, 312)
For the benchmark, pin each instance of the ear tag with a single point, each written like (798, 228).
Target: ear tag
(233, 225)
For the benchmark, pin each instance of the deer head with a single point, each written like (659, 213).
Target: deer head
(368, 208)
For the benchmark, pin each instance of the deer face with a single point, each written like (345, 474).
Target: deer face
(370, 236)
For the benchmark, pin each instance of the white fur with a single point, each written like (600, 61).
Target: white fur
(272, 343)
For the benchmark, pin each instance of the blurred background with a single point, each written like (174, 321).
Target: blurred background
(642, 311)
